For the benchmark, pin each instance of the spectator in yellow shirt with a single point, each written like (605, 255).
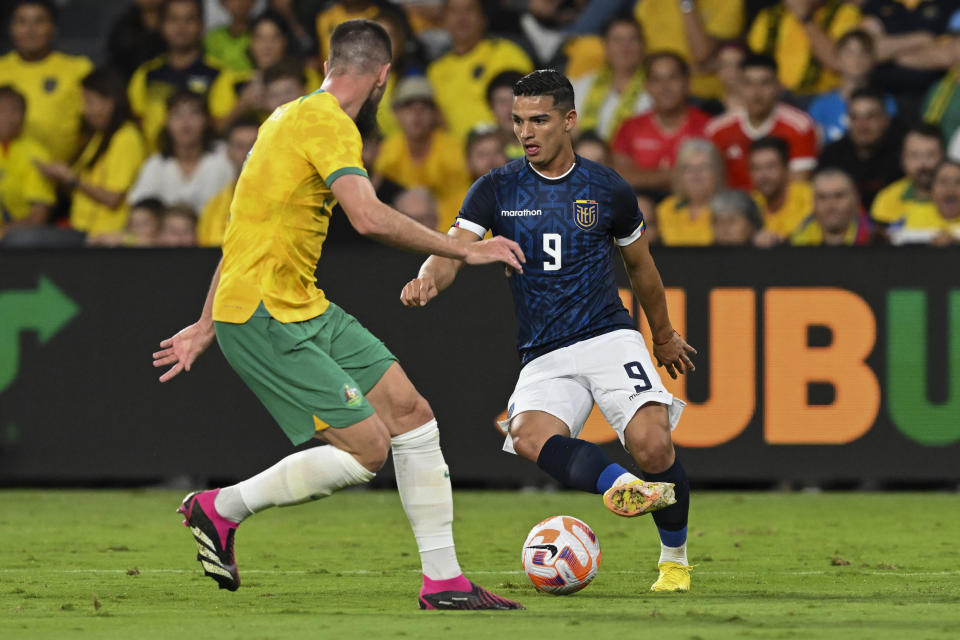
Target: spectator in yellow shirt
(108, 163)
(48, 79)
(693, 29)
(460, 77)
(838, 218)
(923, 151)
(801, 35)
(183, 68)
(784, 203)
(237, 93)
(422, 153)
(685, 218)
(26, 197)
(213, 219)
(941, 226)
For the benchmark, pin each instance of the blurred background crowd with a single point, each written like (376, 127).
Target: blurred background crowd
(737, 122)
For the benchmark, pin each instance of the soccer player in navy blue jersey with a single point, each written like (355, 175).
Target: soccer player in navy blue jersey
(577, 343)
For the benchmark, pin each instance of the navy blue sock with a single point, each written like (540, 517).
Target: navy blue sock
(578, 464)
(672, 521)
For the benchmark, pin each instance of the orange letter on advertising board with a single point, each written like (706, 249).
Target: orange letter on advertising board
(791, 364)
(732, 370)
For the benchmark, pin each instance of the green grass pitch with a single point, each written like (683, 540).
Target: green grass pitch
(117, 564)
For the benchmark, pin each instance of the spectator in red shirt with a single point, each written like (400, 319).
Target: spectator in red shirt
(764, 115)
(645, 146)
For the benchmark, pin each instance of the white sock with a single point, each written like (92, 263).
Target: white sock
(423, 481)
(306, 475)
(624, 478)
(674, 554)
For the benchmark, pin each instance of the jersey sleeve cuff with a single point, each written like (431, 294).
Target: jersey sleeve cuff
(357, 171)
(472, 227)
(633, 237)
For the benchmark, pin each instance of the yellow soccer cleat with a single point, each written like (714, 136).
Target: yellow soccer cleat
(673, 577)
(638, 497)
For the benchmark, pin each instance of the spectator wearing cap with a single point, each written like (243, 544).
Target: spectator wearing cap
(783, 203)
(764, 114)
(607, 97)
(838, 219)
(941, 225)
(856, 60)
(645, 146)
(49, 80)
(461, 76)
(422, 154)
(736, 218)
(693, 29)
(922, 152)
(942, 103)
(800, 36)
(870, 152)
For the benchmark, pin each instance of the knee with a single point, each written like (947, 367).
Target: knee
(375, 452)
(527, 442)
(412, 410)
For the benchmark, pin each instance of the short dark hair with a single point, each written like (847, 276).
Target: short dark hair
(166, 7)
(9, 91)
(868, 93)
(622, 18)
(666, 55)
(834, 170)
(858, 35)
(758, 61)
(246, 121)
(926, 130)
(285, 68)
(773, 143)
(481, 132)
(46, 5)
(153, 205)
(504, 79)
(277, 20)
(946, 162)
(362, 44)
(547, 82)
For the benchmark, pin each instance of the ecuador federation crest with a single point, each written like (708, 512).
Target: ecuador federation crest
(585, 212)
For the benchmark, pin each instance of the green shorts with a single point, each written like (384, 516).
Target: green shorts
(309, 375)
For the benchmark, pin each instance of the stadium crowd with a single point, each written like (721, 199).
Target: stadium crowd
(737, 122)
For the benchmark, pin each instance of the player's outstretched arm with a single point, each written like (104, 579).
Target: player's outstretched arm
(372, 218)
(436, 274)
(671, 351)
(184, 347)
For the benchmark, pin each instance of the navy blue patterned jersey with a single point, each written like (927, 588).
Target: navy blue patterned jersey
(566, 227)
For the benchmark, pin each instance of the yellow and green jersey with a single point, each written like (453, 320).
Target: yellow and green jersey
(54, 98)
(281, 211)
(21, 183)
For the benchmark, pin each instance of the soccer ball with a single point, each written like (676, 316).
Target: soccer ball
(561, 555)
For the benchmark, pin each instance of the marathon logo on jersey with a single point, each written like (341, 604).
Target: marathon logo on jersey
(513, 213)
(586, 213)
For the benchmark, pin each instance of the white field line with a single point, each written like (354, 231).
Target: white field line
(362, 572)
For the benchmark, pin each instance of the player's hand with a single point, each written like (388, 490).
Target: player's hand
(182, 349)
(674, 355)
(419, 291)
(496, 249)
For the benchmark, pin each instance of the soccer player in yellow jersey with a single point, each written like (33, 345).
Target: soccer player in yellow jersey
(48, 79)
(316, 369)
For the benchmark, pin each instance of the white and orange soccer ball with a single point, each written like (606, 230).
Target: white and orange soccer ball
(561, 555)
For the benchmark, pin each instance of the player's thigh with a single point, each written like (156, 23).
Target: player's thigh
(355, 349)
(530, 430)
(301, 386)
(398, 403)
(624, 382)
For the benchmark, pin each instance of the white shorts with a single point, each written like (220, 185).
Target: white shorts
(614, 370)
